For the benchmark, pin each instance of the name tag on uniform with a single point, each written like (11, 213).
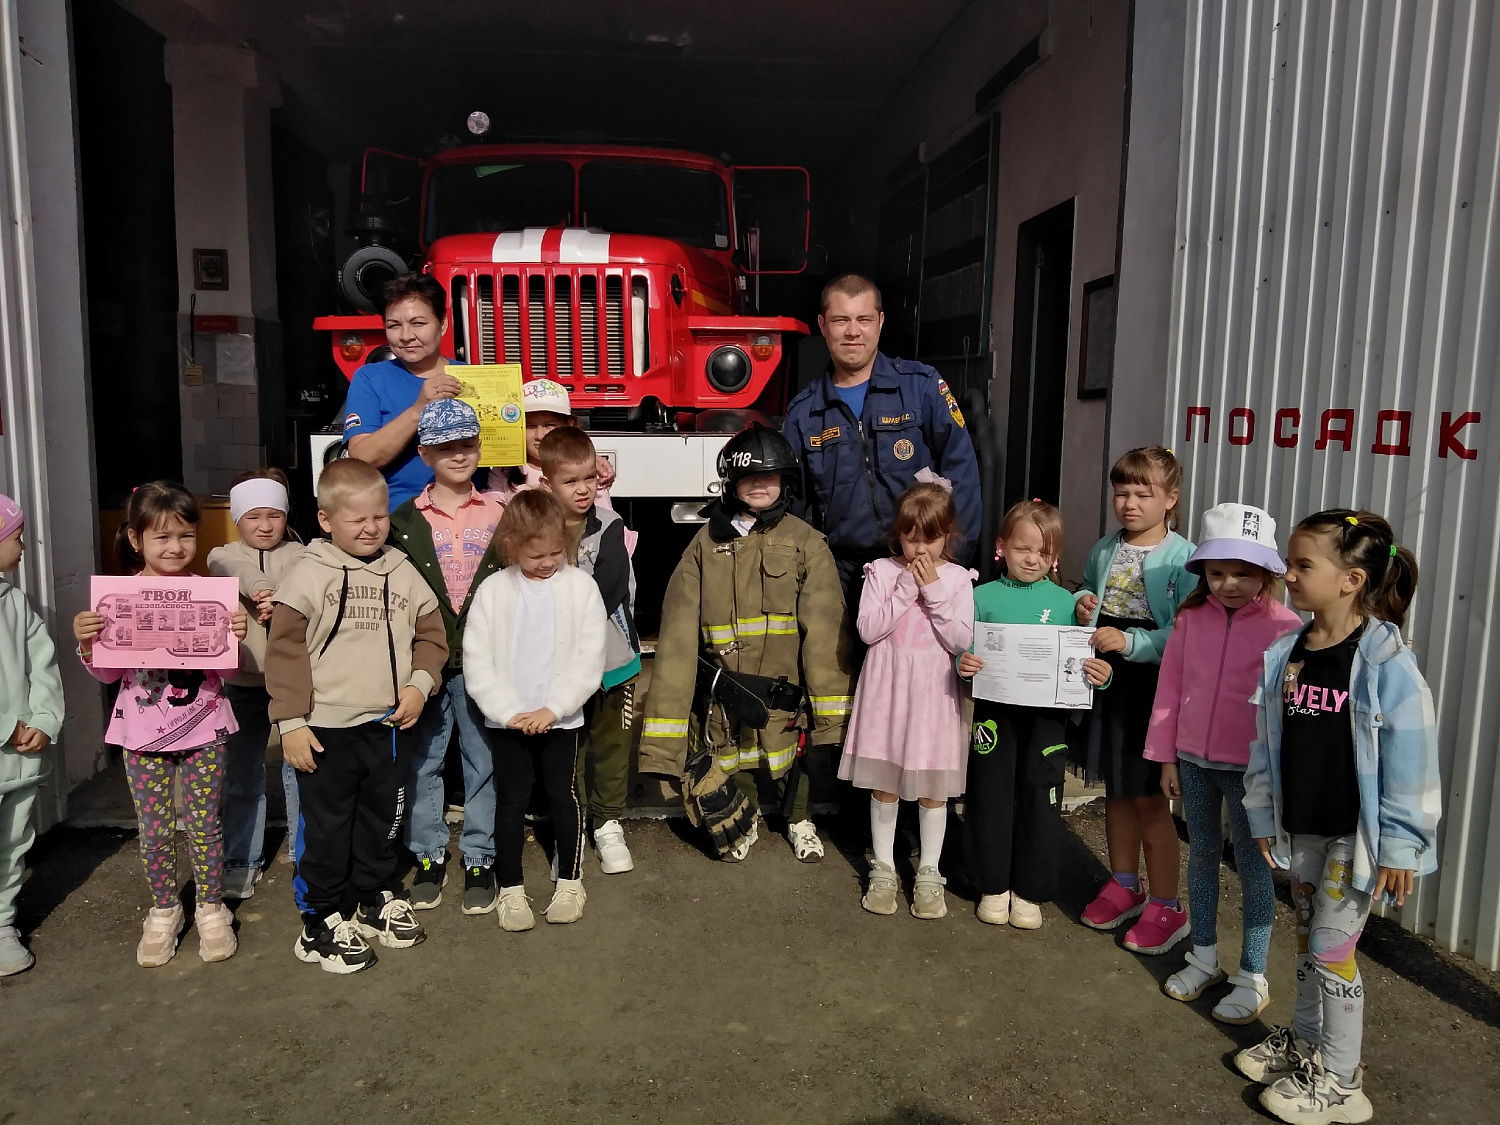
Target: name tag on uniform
(894, 419)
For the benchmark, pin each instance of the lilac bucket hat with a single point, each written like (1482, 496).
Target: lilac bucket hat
(1240, 532)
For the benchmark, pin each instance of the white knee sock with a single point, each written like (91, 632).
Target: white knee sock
(932, 824)
(883, 829)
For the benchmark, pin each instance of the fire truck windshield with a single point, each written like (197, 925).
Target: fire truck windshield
(476, 198)
(683, 204)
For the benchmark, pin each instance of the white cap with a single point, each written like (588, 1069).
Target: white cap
(1240, 532)
(544, 394)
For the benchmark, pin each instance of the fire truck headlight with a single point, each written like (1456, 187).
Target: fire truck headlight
(763, 348)
(352, 346)
(728, 369)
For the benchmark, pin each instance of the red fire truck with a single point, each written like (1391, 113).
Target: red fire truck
(624, 273)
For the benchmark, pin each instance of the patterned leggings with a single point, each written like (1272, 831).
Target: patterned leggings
(202, 773)
(1331, 914)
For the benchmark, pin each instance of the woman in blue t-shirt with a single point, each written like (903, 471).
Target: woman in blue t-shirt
(386, 398)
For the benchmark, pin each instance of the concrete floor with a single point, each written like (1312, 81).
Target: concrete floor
(691, 991)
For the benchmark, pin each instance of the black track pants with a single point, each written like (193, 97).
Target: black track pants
(1013, 808)
(519, 760)
(351, 808)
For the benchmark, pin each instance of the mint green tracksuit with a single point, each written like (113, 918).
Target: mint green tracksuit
(30, 693)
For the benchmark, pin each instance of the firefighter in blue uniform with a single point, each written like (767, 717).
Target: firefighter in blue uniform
(865, 429)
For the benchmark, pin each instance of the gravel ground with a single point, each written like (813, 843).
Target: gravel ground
(691, 991)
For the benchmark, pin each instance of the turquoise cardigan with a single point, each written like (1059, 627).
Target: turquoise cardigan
(1167, 587)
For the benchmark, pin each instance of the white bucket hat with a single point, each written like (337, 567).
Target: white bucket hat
(1240, 532)
(545, 394)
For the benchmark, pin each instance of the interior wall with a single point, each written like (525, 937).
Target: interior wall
(1061, 137)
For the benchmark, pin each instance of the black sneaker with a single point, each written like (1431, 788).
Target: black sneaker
(392, 923)
(480, 895)
(335, 943)
(427, 888)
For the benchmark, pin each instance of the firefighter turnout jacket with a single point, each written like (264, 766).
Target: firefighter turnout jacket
(857, 468)
(767, 603)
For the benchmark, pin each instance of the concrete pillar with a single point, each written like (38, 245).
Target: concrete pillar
(221, 102)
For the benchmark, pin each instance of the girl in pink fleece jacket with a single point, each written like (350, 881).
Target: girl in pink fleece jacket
(1202, 725)
(170, 724)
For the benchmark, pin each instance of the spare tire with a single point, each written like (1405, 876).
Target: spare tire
(365, 273)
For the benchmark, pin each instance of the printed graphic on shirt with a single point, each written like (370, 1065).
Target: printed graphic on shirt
(365, 606)
(459, 561)
(1125, 585)
(1310, 699)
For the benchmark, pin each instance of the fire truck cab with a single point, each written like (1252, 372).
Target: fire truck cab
(618, 271)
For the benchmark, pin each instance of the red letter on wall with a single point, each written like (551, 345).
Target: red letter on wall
(1279, 433)
(1401, 447)
(1245, 414)
(1196, 412)
(1344, 433)
(1448, 438)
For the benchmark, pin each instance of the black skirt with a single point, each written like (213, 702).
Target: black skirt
(1119, 720)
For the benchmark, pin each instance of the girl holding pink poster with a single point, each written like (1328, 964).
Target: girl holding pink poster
(171, 724)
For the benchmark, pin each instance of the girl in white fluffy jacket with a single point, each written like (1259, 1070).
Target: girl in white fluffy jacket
(533, 657)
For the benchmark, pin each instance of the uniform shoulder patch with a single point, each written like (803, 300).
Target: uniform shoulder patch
(958, 415)
(350, 421)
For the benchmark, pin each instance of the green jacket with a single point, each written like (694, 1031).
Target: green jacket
(31, 689)
(411, 533)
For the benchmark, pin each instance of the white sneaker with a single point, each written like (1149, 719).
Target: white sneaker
(737, 853)
(614, 856)
(14, 957)
(514, 910)
(994, 909)
(1024, 915)
(159, 936)
(1310, 1095)
(567, 902)
(803, 836)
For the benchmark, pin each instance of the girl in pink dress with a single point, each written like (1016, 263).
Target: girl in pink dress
(907, 739)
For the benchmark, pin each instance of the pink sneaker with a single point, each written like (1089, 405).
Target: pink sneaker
(1112, 907)
(1159, 929)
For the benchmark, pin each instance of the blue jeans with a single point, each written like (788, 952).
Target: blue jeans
(426, 831)
(244, 800)
(293, 806)
(1202, 792)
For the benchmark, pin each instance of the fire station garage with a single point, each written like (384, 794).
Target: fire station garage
(1263, 238)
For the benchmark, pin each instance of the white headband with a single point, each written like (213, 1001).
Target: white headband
(258, 492)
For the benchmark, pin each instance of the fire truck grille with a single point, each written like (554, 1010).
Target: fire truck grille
(558, 329)
(614, 323)
(510, 315)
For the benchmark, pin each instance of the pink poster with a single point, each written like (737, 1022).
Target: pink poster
(181, 622)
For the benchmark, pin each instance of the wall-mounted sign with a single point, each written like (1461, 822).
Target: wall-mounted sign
(210, 269)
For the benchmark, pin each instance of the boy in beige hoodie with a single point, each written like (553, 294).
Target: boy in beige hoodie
(356, 647)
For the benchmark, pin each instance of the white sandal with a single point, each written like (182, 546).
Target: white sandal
(1189, 982)
(1246, 1002)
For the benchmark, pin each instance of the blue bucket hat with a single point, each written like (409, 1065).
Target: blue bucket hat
(446, 419)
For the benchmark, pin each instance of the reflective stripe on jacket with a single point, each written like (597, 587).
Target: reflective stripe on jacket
(769, 604)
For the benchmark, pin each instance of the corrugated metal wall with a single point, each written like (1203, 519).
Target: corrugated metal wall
(1335, 306)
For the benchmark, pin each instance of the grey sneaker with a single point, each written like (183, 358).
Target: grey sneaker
(927, 898)
(1310, 1095)
(239, 882)
(427, 888)
(515, 910)
(1276, 1055)
(479, 890)
(14, 957)
(881, 890)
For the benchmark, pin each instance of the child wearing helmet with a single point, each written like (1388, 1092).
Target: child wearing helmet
(754, 611)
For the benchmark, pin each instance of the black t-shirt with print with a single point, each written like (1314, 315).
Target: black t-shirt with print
(1319, 776)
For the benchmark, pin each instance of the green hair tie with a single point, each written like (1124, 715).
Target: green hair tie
(1393, 550)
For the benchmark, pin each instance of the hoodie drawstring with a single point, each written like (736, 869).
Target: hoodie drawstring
(338, 618)
(390, 640)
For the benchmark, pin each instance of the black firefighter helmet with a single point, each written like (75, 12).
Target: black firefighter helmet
(758, 449)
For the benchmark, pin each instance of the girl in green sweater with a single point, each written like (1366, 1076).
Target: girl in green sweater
(1018, 755)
